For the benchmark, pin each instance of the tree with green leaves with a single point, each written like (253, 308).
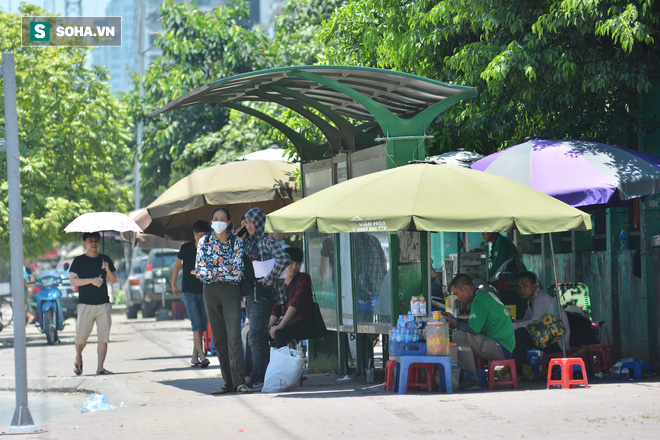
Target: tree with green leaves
(197, 48)
(564, 69)
(73, 138)
(296, 30)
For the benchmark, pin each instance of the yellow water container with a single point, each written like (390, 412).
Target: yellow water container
(437, 338)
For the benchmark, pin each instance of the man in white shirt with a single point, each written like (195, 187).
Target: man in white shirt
(539, 304)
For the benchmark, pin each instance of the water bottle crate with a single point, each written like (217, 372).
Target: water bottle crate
(407, 348)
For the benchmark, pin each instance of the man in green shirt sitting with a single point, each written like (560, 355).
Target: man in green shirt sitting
(488, 331)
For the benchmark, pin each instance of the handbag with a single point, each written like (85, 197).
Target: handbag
(317, 329)
(546, 331)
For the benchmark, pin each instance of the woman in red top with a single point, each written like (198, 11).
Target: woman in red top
(293, 320)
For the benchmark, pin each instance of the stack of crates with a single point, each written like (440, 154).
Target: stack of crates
(207, 340)
(178, 310)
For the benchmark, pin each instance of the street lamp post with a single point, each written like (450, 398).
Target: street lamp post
(22, 420)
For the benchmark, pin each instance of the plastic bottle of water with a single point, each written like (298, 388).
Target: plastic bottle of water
(623, 237)
(411, 321)
(400, 323)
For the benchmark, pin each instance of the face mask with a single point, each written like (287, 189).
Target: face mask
(219, 227)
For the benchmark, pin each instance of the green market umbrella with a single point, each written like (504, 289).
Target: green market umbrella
(428, 197)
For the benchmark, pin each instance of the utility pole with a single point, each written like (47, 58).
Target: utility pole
(139, 18)
(22, 420)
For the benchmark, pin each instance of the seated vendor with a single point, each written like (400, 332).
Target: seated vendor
(294, 319)
(488, 331)
(539, 304)
(502, 249)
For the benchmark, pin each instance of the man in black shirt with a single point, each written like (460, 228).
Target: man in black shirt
(192, 292)
(91, 272)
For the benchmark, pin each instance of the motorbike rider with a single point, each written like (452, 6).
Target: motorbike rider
(91, 272)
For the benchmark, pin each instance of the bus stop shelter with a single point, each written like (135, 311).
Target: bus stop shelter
(372, 119)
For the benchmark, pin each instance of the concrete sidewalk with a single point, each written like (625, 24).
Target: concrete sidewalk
(164, 397)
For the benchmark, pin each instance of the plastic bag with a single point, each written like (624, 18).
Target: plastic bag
(96, 403)
(284, 370)
(616, 368)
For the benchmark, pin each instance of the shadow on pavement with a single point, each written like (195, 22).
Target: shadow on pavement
(166, 370)
(161, 358)
(202, 385)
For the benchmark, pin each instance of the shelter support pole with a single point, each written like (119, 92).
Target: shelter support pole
(557, 291)
(22, 420)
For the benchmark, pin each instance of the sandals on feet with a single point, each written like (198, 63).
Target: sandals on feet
(77, 368)
(205, 363)
(244, 389)
(104, 372)
(221, 390)
(196, 365)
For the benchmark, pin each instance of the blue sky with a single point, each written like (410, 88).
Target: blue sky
(90, 8)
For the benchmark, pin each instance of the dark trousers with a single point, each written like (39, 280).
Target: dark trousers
(291, 330)
(259, 309)
(525, 342)
(223, 309)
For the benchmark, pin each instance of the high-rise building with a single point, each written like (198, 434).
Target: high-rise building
(140, 25)
(120, 61)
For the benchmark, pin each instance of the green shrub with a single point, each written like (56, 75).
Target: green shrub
(322, 363)
(120, 298)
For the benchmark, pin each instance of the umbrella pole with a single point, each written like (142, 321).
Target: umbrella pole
(557, 293)
(102, 249)
(458, 254)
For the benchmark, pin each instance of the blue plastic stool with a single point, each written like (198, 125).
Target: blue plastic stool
(481, 375)
(531, 354)
(404, 363)
(442, 380)
(635, 369)
(534, 360)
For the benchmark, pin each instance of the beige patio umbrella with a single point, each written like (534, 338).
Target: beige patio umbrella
(428, 197)
(238, 186)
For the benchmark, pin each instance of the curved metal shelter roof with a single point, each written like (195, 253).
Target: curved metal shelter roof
(403, 105)
(402, 94)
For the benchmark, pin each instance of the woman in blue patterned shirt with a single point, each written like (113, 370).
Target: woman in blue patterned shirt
(219, 265)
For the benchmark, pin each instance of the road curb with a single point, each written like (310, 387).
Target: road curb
(116, 391)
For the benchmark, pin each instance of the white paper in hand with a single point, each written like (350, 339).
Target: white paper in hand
(263, 268)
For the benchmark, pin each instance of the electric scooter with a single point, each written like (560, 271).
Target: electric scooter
(49, 307)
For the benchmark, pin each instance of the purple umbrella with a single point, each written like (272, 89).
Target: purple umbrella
(579, 173)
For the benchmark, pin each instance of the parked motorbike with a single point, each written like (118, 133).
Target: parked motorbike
(49, 307)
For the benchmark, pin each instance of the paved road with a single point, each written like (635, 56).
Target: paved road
(165, 398)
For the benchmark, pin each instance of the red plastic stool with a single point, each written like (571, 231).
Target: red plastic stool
(567, 377)
(599, 360)
(512, 369)
(415, 380)
(178, 310)
(569, 352)
(389, 375)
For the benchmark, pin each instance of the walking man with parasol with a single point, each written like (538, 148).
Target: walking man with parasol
(91, 273)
